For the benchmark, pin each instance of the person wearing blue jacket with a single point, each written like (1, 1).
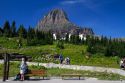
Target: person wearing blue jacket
(61, 58)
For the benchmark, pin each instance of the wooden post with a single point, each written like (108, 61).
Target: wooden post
(7, 69)
(5, 64)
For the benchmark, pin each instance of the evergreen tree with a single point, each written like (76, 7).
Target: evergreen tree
(72, 39)
(75, 39)
(58, 37)
(39, 38)
(67, 38)
(60, 44)
(6, 29)
(88, 40)
(1, 31)
(22, 32)
(48, 38)
(30, 33)
(30, 36)
(13, 29)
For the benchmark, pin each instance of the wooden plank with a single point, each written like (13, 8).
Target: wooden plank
(71, 75)
(37, 73)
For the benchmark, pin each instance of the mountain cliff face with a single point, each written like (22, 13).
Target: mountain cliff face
(55, 17)
(57, 21)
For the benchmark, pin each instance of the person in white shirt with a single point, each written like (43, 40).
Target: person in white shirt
(122, 64)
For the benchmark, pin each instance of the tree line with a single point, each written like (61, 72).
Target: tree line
(33, 37)
(107, 46)
(102, 45)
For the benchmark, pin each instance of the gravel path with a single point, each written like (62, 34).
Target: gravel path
(77, 67)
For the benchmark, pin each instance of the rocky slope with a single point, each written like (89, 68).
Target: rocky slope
(57, 21)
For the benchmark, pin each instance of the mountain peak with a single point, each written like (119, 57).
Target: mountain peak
(57, 21)
(56, 16)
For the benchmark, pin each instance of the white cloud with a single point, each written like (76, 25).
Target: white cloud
(93, 5)
(85, 3)
(90, 4)
(72, 2)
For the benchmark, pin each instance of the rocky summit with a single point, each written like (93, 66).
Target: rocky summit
(57, 21)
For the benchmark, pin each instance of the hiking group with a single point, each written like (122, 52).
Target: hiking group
(122, 63)
(64, 61)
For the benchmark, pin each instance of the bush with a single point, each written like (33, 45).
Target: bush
(60, 44)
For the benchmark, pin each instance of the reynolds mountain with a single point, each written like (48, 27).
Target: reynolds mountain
(57, 21)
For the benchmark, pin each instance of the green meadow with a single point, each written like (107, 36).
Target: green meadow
(78, 53)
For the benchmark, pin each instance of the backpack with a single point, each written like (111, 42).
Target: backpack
(17, 77)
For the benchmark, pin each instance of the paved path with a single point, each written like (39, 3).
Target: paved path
(90, 80)
(77, 67)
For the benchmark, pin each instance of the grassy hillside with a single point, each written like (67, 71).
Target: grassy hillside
(77, 53)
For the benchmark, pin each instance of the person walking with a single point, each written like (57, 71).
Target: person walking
(61, 59)
(67, 60)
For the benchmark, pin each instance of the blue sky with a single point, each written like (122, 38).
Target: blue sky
(105, 17)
